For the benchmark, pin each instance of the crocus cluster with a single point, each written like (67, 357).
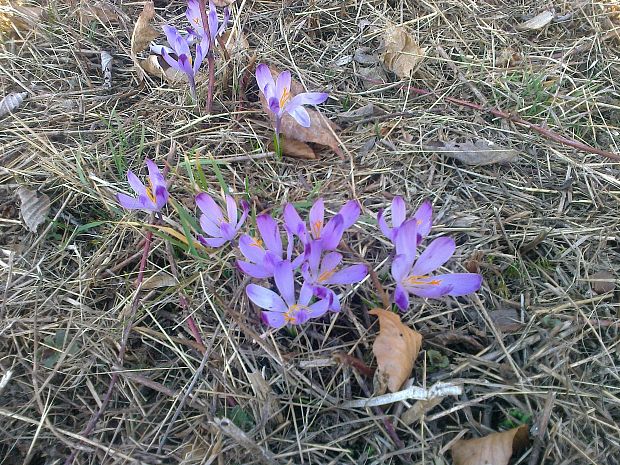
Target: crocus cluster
(178, 54)
(413, 274)
(300, 256)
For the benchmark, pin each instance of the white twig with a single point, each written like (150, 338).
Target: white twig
(414, 392)
(6, 377)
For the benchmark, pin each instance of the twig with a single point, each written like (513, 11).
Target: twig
(541, 426)
(210, 59)
(345, 359)
(414, 392)
(123, 348)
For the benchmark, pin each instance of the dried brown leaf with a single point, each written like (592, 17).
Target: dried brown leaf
(11, 102)
(506, 319)
(481, 152)
(396, 348)
(236, 42)
(360, 113)
(321, 131)
(156, 66)
(34, 208)
(419, 409)
(402, 53)
(23, 18)
(537, 22)
(294, 149)
(143, 32)
(158, 280)
(494, 449)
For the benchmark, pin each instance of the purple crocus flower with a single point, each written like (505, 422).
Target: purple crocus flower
(422, 216)
(280, 100)
(195, 19)
(264, 253)
(179, 56)
(328, 234)
(414, 276)
(322, 272)
(212, 221)
(285, 308)
(151, 197)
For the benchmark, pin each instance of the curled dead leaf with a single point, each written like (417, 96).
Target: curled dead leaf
(494, 449)
(11, 102)
(322, 131)
(19, 17)
(402, 53)
(157, 67)
(142, 35)
(34, 208)
(236, 42)
(419, 409)
(537, 22)
(603, 282)
(102, 11)
(396, 348)
(480, 153)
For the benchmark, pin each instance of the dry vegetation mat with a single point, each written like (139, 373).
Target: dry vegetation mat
(505, 116)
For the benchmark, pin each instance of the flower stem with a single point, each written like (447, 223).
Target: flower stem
(123, 348)
(211, 65)
(278, 146)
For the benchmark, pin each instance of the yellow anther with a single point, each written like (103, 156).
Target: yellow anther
(286, 96)
(326, 275)
(149, 191)
(420, 281)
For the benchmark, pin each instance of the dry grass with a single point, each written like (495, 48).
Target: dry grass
(537, 229)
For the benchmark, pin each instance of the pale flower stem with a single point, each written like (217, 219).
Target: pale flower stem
(277, 139)
(121, 353)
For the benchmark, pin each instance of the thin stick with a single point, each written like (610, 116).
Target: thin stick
(210, 59)
(121, 353)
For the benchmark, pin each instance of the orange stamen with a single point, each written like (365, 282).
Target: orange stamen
(326, 275)
(256, 242)
(420, 281)
(286, 96)
(317, 226)
(149, 191)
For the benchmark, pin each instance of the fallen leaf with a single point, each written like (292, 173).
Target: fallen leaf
(11, 102)
(396, 348)
(481, 152)
(16, 17)
(603, 282)
(266, 397)
(360, 113)
(506, 319)
(294, 148)
(371, 77)
(494, 449)
(158, 280)
(34, 208)
(156, 66)
(537, 22)
(321, 131)
(236, 42)
(106, 67)
(365, 56)
(403, 54)
(142, 35)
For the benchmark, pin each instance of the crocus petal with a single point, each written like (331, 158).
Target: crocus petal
(274, 319)
(172, 36)
(313, 256)
(214, 242)
(334, 305)
(330, 262)
(297, 261)
(228, 232)
(300, 114)
(401, 265)
(436, 254)
(424, 218)
(209, 227)
(383, 226)
(131, 203)
(460, 283)
(316, 217)
(399, 211)
(401, 298)
(270, 233)
(405, 239)
(135, 183)
(283, 84)
(171, 61)
(201, 50)
(305, 294)
(293, 221)
(349, 275)
(319, 308)
(332, 233)
(306, 98)
(207, 205)
(255, 270)
(251, 249)
(245, 207)
(283, 276)
(161, 196)
(350, 212)
(224, 24)
(155, 176)
(185, 66)
(265, 81)
(231, 210)
(429, 291)
(212, 20)
(274, 105)
(265, 298)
